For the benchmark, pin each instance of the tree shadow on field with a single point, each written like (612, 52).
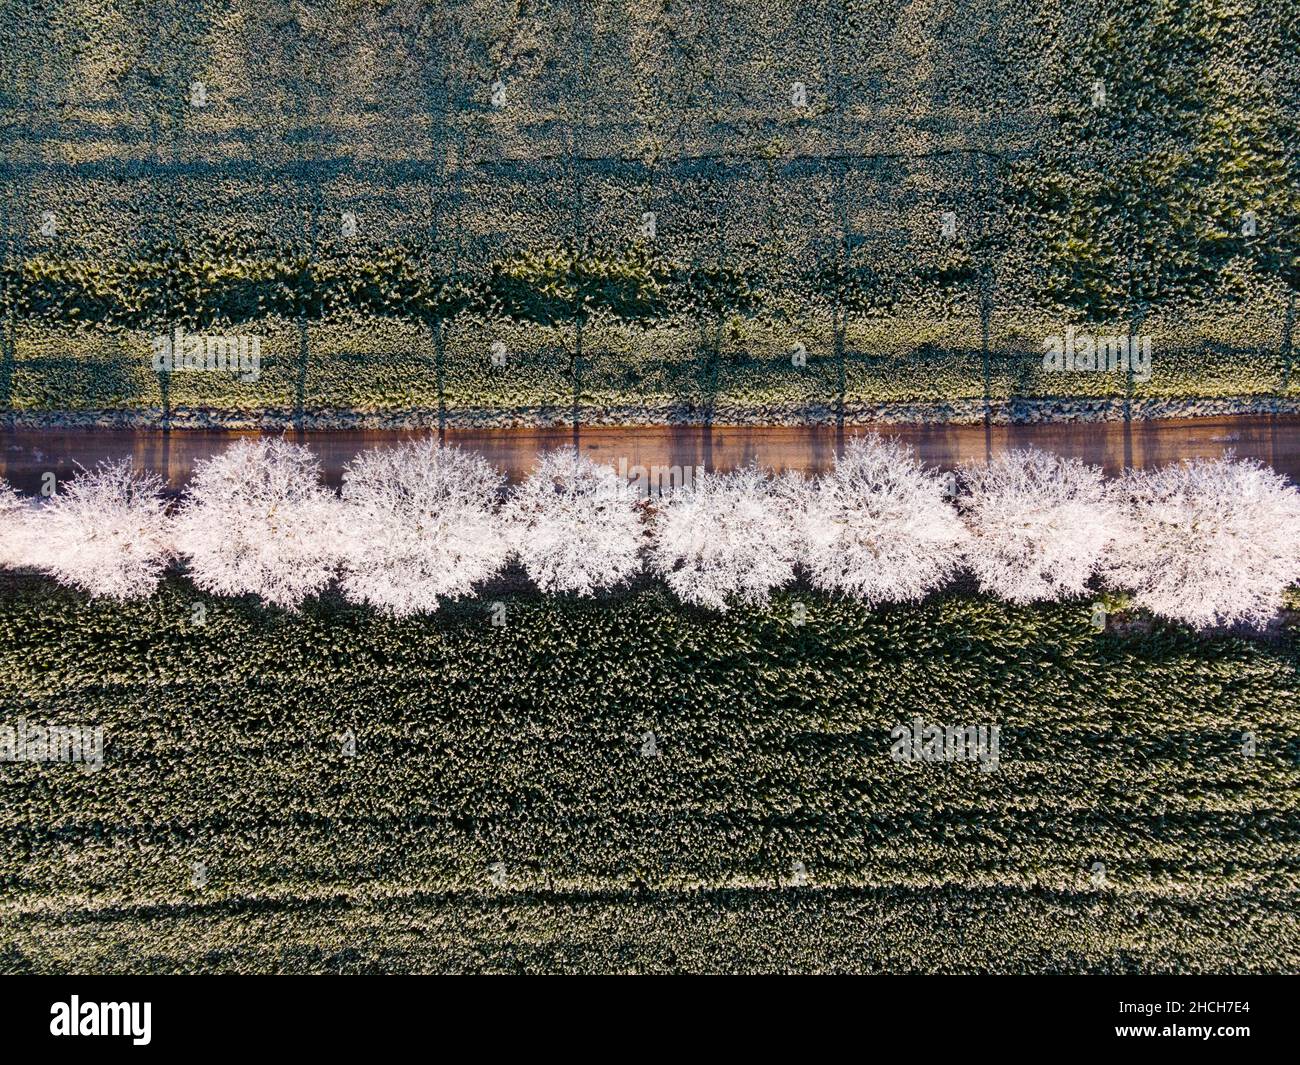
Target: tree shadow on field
(110, 381)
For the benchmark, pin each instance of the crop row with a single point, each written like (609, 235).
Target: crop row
(674, 370)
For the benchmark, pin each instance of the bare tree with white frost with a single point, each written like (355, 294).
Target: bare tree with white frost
(725, 538)
(575, 525)
(420, 525)
(1039, 523)
(258, 521)
(1207, 542)
(17, 541)
(879, 525)
(106, 532)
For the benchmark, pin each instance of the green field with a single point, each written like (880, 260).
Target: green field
(776, 223)
(500, 812)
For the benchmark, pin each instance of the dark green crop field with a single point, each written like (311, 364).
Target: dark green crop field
(624, 785)
(649, 205)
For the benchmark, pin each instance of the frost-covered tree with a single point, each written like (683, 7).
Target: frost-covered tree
(879, 525)
(575, 525)
(1207, 542)
(1039, 524)
(105, 532)
(725, 538)
(258, 521)
(420, 525)
(18, 537)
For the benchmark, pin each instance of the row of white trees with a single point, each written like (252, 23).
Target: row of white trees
(1205, 542)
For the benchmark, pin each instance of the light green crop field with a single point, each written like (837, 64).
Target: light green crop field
(651, 209)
